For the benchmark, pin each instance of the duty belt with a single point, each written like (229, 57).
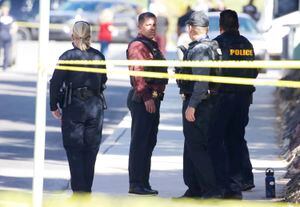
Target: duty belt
(212, 92)
(209, 93)
(83, 93)
(185, 96)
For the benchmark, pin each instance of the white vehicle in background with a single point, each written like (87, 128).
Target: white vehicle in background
(247, 28)
(278, 19)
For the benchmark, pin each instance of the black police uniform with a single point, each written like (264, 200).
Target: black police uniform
(144, 126)
(232, 161)
(6, 39)
(82, 115)
(198, 172)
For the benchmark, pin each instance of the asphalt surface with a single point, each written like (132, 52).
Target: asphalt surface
(17, 118)
(17, 95)
(111, 176)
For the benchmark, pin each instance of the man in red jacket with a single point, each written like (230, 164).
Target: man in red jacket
(105, 30)
(144, 103)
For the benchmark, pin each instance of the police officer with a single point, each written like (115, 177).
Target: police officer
(198, 172)
(82, 108)
(7, 28)
(144, 104)
(231, 161)
(182, 20)
(251, 9)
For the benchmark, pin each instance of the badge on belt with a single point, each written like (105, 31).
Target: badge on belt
(154, 94)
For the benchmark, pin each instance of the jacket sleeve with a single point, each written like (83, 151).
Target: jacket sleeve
(103, 81)
(56, 83)
(103, 76)
(138, 51)
(254, 71)
(200, 87)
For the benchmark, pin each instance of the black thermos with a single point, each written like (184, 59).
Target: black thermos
(270, 183)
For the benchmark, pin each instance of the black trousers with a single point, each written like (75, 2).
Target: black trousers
(82, 132)
(6, 45)
(228, 147)
(198, 172)
(144, 128)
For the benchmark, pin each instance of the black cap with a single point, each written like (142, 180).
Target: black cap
(198, 18)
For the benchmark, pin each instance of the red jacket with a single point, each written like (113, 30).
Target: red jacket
(104, 32)
(138, 51)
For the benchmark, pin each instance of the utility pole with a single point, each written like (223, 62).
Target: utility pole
(40, 106)
(148, 4)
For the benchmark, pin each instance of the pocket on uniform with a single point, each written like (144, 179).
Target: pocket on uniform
(75, 112)
(129, 98)
(203, 114)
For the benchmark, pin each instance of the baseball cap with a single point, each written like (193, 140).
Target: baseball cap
(198, 18)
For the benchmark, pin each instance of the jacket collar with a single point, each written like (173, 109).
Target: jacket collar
(200, 39)
(147, 39)
(231, 33)
(144, 37)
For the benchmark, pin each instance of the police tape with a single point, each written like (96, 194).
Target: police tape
(28, 24)
(274, 64)
(190, 77)
(36, 25)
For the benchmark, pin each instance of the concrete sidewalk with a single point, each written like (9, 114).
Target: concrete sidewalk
(111, 175)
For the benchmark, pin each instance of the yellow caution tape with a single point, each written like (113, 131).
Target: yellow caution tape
(37, 25)
(215, 79)
(274, 64)
(51, 26)
(16, 199)
(81, 69)
(28, 24)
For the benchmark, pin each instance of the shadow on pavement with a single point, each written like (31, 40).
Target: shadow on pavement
(25, 183)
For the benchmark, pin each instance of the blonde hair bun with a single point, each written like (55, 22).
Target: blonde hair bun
(82, 34)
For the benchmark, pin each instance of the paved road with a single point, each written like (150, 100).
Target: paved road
(17, 95)
(166, 175)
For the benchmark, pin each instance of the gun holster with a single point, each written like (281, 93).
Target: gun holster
(102, 97)
(65, 96)
(83, 93)
(68, 95)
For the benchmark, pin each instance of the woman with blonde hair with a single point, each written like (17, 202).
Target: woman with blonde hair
(80, 109)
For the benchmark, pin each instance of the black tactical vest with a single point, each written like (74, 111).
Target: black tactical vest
(214, 54)
(157, 55)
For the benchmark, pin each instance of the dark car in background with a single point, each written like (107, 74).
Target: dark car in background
(26, 14)
(15, 36)
(124, 21)
(24, 11)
